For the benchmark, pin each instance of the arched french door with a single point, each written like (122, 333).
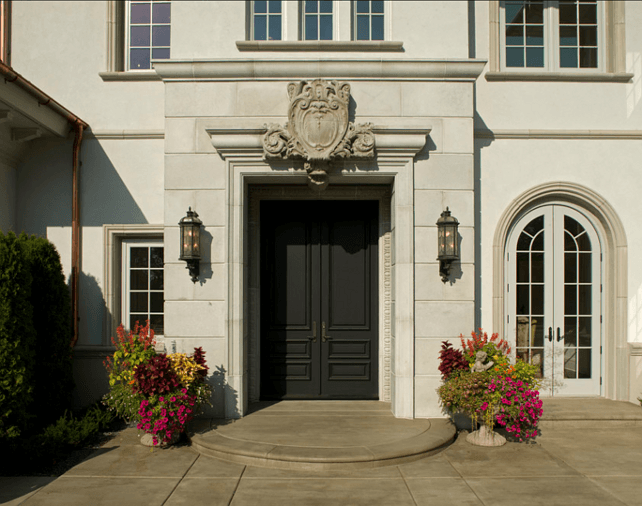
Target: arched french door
(553, 298)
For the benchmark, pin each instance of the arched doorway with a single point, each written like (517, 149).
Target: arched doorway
(553, 298)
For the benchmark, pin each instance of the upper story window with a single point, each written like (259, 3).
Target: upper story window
(267, 19)
(552, 35)
(317, 20)
(148, 33)
(368, 20)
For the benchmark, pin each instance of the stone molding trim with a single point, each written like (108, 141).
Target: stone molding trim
(126, 134)
(363, 192)
(320, 45)
(144, 75)
(318, 68)
(615, 283)
(558, 134)
(596, 77)
(113, 236)
(636, 349)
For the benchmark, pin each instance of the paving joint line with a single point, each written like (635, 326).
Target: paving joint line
(181, 480)
(237, 486)
(464, 479)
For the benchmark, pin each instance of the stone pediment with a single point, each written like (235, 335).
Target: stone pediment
(318, 130)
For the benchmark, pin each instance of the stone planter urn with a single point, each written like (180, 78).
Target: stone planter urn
(485, 436)
(148, 440)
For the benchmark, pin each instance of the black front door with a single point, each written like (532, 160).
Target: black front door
(319, 307)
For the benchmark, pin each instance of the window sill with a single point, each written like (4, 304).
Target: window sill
(320, 45)
(599, 77)
(145, 75)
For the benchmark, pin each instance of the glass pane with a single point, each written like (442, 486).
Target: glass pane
(585, 299)
(260, 27)
(534, 56)
(156, 279)
(311, 32)
(156, 322)
(160, 53)
(377, 28)
(535, 225)
(537, 300)
(538, 333)
(139, 13)
(585, 331)
(139, 59)
(363, 28)
(524, 242)
(569, 242)
(139, 36)
(363, 6)
(537, 267)
(522, 303)
(162, 13)
(275, 27)
(584, 364)
(568, 36)
(523, 354)
(156, 257)
(138, 280)
(537, 358)
(570, 367)
(522, 268)
(570, 300)
(535, 12)
(138, 257)
(572, 226)
(138, 301)
(535, 35)
(568, 14)
(160, 35)
(538, 242)
(514, 57)
(325, 6)
(275, 6)
(585, 271)
(588, 35)
(137, 318)
(588, 57)
(570, 331)
(570, 267)
(156, 300)
(260, 6)
(514, 35)
(523, 331)
(325, 28)
(311, 6)
(377, 6)
(568, 57)
(514, 12)
(588, 13)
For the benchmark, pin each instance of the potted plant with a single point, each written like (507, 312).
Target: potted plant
(160, 392)
(481, 382)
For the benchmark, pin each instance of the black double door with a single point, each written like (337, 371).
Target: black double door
(319, 307)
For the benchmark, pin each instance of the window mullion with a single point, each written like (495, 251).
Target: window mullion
(552, 35)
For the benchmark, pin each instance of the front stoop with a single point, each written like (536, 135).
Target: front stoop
(589, 412)
(324, 436)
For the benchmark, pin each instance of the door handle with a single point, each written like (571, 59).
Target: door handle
(314, 332)
(324, 337)
(559, 336)
(550, 334)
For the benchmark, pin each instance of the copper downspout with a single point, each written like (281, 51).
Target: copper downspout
(78, 126)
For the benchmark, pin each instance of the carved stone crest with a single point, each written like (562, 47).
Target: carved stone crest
(318, 130)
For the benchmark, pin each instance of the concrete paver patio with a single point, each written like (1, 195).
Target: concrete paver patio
(566, 466)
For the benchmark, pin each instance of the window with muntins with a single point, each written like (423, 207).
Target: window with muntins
(552, 35)
(267, 19)
(143, 284)
(317, 20)
(368, 20)
(148, 33)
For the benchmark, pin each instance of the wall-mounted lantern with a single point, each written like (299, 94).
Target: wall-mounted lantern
(191, 242)
(448, 243)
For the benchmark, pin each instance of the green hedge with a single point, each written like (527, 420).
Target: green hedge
(35, 335)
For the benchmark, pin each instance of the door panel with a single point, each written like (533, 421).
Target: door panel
(319, 277)
(553, 299)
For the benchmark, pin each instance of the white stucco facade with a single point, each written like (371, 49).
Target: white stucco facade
(453, 128)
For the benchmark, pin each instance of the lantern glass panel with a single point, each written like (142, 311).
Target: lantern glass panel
(186, 244)
(196, 241)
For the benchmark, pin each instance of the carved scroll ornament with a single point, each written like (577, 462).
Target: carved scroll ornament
(318, 130)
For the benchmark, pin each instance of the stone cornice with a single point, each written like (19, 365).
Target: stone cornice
(291, 69)
(557, 134)
(602, 77)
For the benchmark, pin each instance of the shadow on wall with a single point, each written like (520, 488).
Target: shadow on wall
(223, 396)
(44, 187)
